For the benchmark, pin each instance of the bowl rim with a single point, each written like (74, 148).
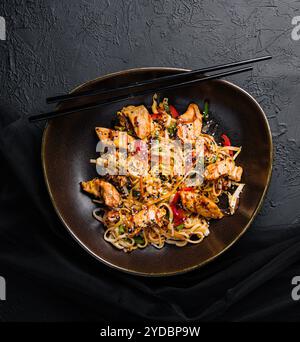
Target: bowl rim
(188, 269)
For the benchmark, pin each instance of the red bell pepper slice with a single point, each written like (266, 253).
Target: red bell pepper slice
(175, 199)
(178, 213)
(156, 116)
(226, 142)
(188, 189)
(173, 112)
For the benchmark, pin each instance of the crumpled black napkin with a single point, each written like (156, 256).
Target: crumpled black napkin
(51, 278)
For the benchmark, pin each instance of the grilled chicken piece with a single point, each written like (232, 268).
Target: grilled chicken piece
(118, 138)
(137, 166)
(104, 134)
(149, 216)
(192, 113)
(225, 167)
(236, 174)
(200, 204)
(140, 120)
(122, 183)
(190, 123)
(99, 188)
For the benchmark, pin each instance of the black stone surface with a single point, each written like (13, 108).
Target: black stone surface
(52, 46)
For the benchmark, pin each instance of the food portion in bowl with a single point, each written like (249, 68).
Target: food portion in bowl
(162, 177)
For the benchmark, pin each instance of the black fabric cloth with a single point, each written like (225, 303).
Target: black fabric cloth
(51, 278)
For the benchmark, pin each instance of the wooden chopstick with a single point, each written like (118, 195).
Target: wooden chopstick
(58, 113)
(176, 77)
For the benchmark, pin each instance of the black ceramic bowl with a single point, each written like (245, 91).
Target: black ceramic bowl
(70, 142)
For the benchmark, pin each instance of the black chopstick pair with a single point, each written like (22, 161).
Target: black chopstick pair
(151, 86)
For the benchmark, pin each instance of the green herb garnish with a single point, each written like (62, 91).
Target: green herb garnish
(139, 240)
(213, 159)
(121, 229)
(172, 130)
(166, 105)
(136, 193)
(180, 227)
(205, 111)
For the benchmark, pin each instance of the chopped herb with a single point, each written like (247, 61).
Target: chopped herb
(136, 193)
(205, 111)
(121, 229)
(214, 159)
(172, 130)
(130, 132)
(166, 105)
(180, 227)
(139, 240)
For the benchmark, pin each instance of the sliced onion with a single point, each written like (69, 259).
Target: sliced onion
(125, 190)
(234, 198)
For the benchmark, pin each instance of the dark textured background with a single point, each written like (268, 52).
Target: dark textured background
(53, 46)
